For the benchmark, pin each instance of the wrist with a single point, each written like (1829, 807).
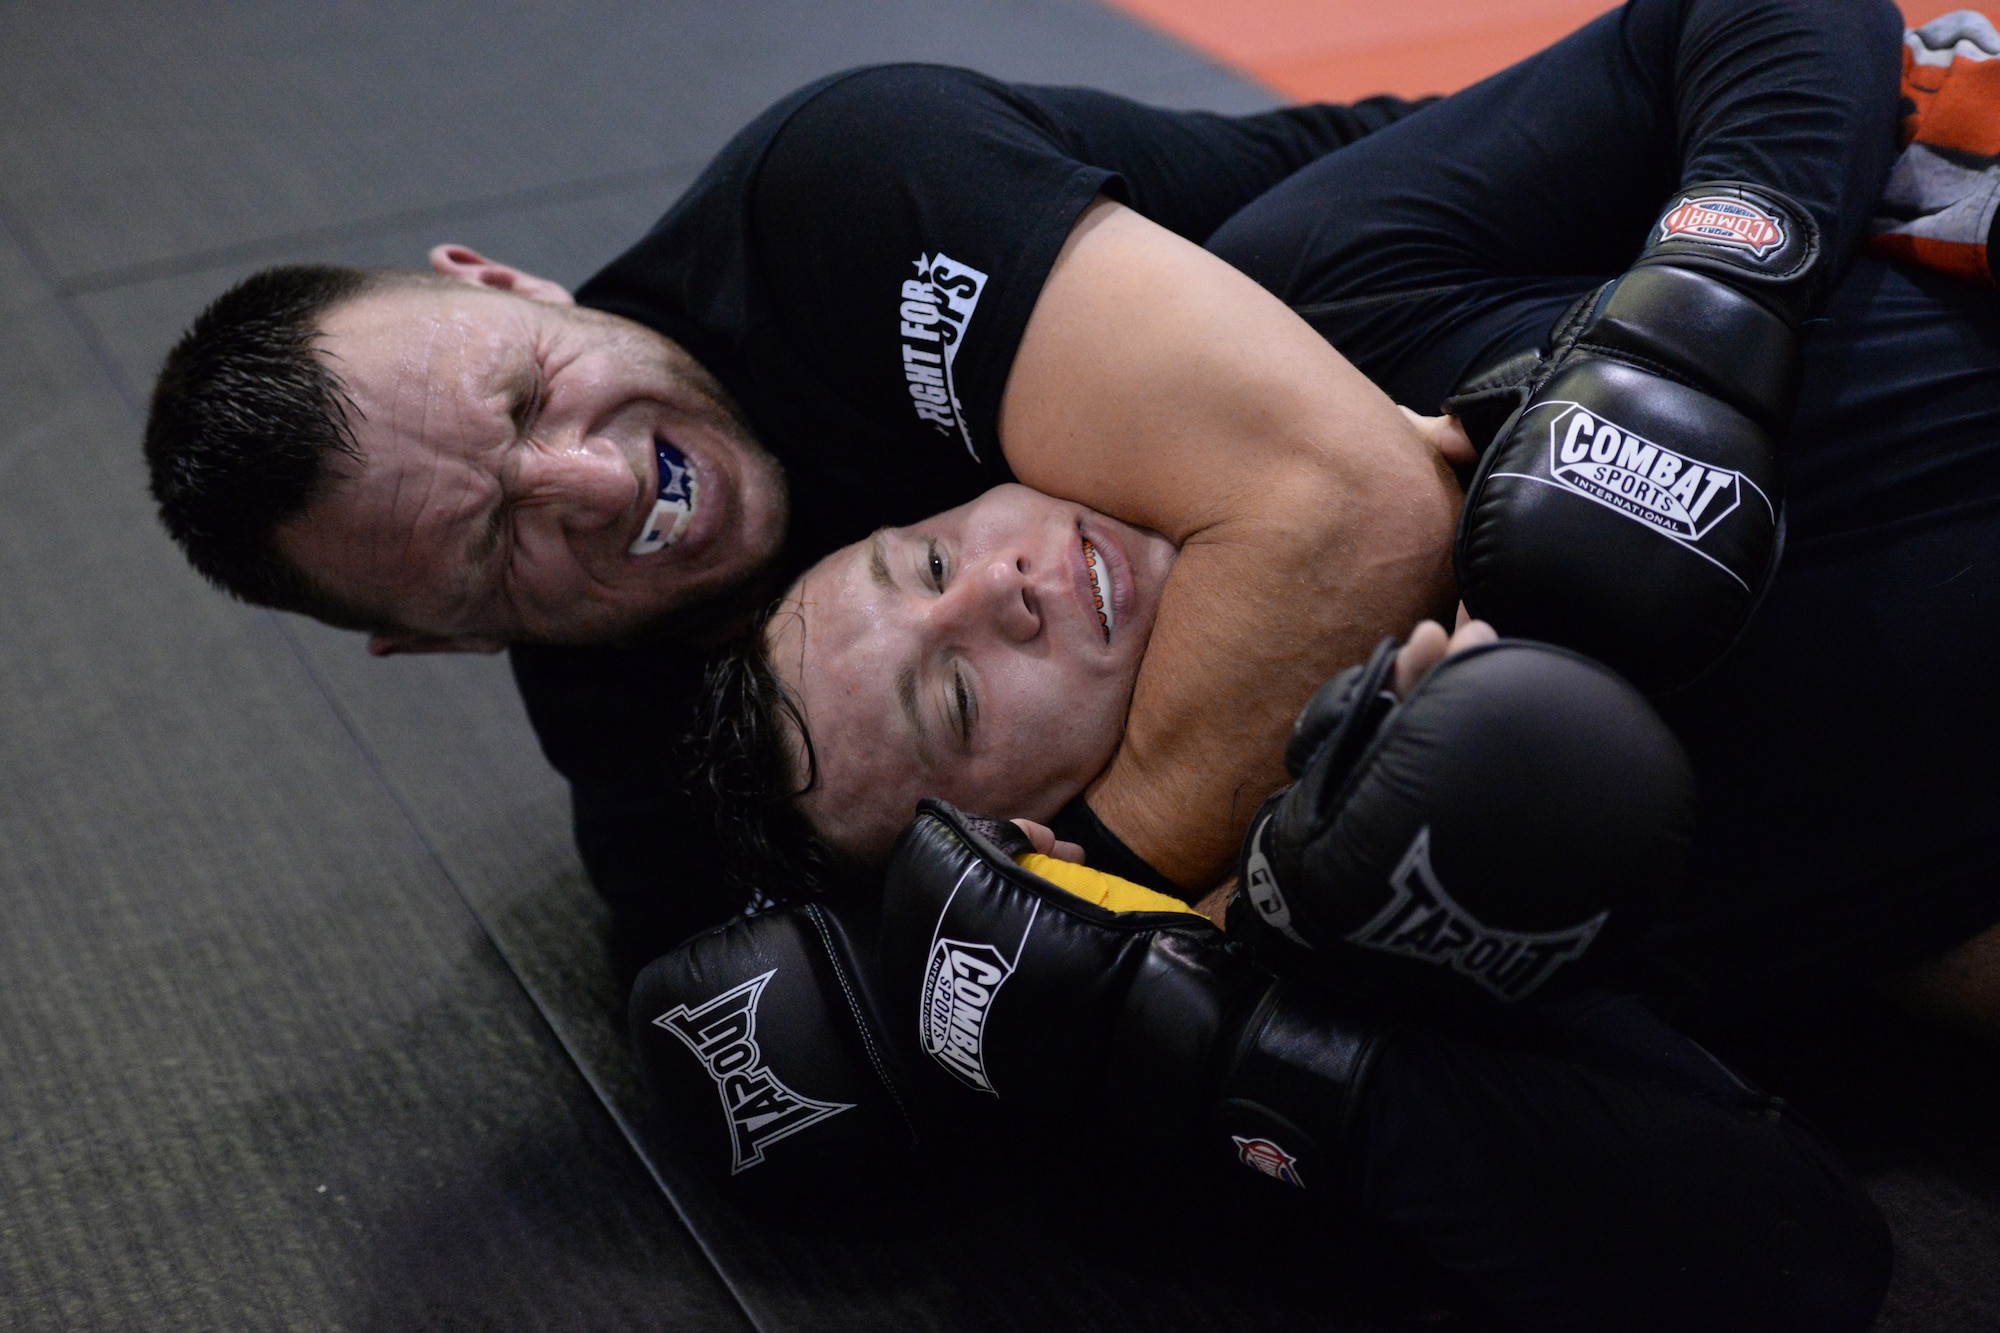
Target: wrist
(1700, 329)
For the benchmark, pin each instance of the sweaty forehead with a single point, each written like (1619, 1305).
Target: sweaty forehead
(414, 357)
(832, 650)
(825, 637)
(429, 376)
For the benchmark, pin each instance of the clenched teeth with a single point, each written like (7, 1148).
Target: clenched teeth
(1105, 615)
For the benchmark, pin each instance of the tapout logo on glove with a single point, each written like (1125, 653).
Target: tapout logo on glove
(1423, 922)
(1262, 887)
(760, 1108)
(960, 985)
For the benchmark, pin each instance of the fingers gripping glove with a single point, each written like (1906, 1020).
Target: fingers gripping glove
(1102, 1019)
(759, 1046)
(1629, 506)
(1497, 834)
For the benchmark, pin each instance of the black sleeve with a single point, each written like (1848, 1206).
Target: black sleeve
(611, 722)
(1190, 170)
(905, 218)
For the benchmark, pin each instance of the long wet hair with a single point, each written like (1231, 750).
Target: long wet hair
(751, 759)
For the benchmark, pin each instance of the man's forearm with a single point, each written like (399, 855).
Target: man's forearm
(1312, 516)
(1254, 618)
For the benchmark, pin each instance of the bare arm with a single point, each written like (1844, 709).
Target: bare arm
(1161, 386)
(1425, 648)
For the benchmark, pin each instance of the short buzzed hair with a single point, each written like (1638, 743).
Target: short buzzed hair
(249, 425)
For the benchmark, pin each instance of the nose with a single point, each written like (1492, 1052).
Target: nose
(994, 596)
(584, 483)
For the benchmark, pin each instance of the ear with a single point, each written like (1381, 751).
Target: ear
(393, 645)
(463, 264)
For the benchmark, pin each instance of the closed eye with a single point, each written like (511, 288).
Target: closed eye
(964, 710)
(528, 400)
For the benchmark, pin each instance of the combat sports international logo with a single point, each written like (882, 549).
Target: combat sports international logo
(961, 983)
(1719, 220)
(1423, 922)
(935, 312)
(1675, 495)
(760, 1108)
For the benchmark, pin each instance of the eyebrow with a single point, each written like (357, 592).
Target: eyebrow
(906, 675)
(479, 547)
(906, 695)
(527, 393)
(878, 560)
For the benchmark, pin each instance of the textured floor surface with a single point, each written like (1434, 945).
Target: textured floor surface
(305, 1021)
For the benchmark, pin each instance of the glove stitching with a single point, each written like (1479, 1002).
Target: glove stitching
(1657, 367)
(812, 914)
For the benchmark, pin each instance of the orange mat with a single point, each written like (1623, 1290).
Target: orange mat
(1338, 50)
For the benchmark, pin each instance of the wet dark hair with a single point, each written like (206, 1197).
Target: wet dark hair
(743, 773)
(247, 427)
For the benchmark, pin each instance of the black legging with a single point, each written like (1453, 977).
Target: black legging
(1851, 805)
(1452, 238)
(1581, 1166)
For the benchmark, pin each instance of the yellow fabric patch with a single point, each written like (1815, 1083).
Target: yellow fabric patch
(1094, 886)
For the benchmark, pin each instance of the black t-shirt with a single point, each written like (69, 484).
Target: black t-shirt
(857, 267)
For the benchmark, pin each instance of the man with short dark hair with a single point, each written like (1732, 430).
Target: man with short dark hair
(273, 429)
(292, 425)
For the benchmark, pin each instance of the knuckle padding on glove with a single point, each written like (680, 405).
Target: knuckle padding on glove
(1044, 1014)
(1343, 713)
(1573, 531)
(1703, 313)
(1145, 1031)
(1520, 791)
(1631, 505)
(758, 1045)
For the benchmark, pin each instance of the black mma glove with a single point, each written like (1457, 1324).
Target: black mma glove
(1629, 505)
(1103, 1020)
(1497, 834)
(760, 1048)
(1582, 1167)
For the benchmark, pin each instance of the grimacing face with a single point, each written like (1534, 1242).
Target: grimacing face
(509, 465)
(985, 655)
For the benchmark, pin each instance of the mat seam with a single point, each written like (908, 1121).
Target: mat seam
(43, 267)
(624, 1126)
(94, 281)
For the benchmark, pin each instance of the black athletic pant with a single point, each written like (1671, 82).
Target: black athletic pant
(1452, 238)
(1850, 794)
(1581, 1166)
